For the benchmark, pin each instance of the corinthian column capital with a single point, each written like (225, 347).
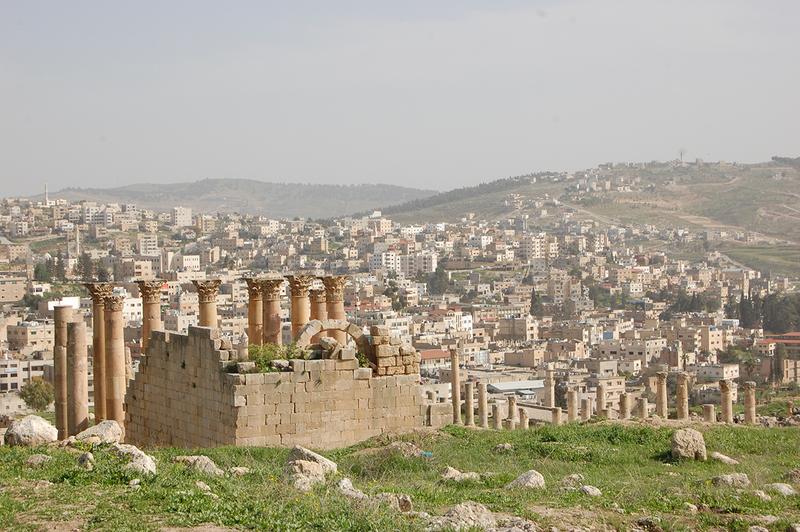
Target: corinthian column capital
(334, 287)
(99, 291)
(207, 291)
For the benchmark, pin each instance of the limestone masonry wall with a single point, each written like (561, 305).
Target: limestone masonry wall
(182, 396)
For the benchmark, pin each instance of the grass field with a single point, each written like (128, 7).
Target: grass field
(630, 464)
(782, 260)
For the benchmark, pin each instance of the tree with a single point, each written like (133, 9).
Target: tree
(537, 309)
(438, 282)
(37, 394)
(60, 267)
(103, 274)
(42, 273)
(85, 267)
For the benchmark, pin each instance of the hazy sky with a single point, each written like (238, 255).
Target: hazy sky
(428, 93)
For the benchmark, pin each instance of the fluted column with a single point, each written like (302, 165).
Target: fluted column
(207, 292)
(661, 395)
(301, 306)
(151, 309)
(749, 388)
(271, 296)
(726, 401)
(319, 309)
(116, 382)
(255, 311)
(77, 379)
(334, 296)
(469, 407)
(682, 397)
(483, 407)
(455, 386)
(550, 388)
(62, 315)
(99, 291)
(572, 406)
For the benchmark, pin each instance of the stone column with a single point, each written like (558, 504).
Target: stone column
(301, 305)
(586, 409)
(334, 296)
(601, 398)
(77, 379)
(572, 406)
(549, 388)
(749, 402)
(455, 386)
(789, 408)
(661, 395)
(255, 311)
(319, 310)
(709, 413)
(99, 291)
(62, 315)
(207, 292)
(512, 407)
(644, 409)
(624, 406)
(555, 415)
(271, 295)
(726, 401)
(524, 422)
(483, 407)
(497, 423)
(469, 408)
(682, 397)
(151, 309)
(115, 359)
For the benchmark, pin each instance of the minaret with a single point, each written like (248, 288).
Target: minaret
(46, 197)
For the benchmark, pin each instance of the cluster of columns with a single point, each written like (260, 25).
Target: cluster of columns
(264, 306)
(71, 373)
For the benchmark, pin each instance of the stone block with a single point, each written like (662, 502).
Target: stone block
(379, 330)
(297, 365)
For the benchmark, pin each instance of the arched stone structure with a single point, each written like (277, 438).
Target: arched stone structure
(314, 327)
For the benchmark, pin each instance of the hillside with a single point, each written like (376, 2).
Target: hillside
(246, 196)
(640, 486)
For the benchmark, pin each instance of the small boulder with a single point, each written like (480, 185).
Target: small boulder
(719, 457)
(732, 480)
(301, 453)
(466, 516)
(757, 528)
(591, 491)
(201, 464)
(781, 489)
(30, 431)
(304, 475)
(689, 507)
(793, 476)
(762, 495)
(202, 486)
(347, 489)
(530, 479)
(135, 484)
(239, 471)
(138, 461)
(688, 443)
(503, 448)
(395, 501)
(105, 432)
(453, 474)
(86, 461)
(37, 460)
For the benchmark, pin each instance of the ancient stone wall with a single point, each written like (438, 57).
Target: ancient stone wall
(183, 396)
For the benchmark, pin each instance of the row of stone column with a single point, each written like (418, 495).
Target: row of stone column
(264, 306)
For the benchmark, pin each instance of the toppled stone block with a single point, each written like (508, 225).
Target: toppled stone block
(105, 432)
(201, 464)
(31, 431)
(688, 443)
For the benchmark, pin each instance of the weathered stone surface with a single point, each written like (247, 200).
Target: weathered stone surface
(733, 480)
(239, 471)
(86, 461)
(503, 448)
(530, 479)
(304, 475)
(574, 481)
(37, 460)
(301, 453)
(138, 461)
(688, 443)
(591, 491)
(108, 431)
(465, 516)
(453, 474)
(396, 501)
(30, 431)
(202, 486)
(781, 489)
(793, 476)
(719, 457)
(201, 464)
(347, 489)
(762, 495)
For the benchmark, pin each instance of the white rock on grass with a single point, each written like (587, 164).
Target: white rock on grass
(453, 474)
(86, 461)
(591, 491)
(781, 489)
(30, 431)
(37, 460)
(503, 448)
(202, 486)
(395, 501)
(762, 495)
(733, 480)
(530, 479)
(301, 453)
(201, 464)
(466, 516)
(573, 481)
(719, 457)
(239, 471)
(304, 475)
(688, 443)
(138, 461)
(347, 489)
(105, 432)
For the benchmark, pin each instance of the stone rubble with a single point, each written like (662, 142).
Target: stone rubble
(733, 480)
(453, 474)
(86, 461)
(530, 479)
(688, 443)
(105, 432)
(30, 431)
(719, 457)
(781, 489)
(37, 460)
(138, 461)
(201, 464)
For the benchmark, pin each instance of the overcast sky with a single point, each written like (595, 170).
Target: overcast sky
(428, 93)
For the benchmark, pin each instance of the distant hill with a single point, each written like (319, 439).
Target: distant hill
(247, 196)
